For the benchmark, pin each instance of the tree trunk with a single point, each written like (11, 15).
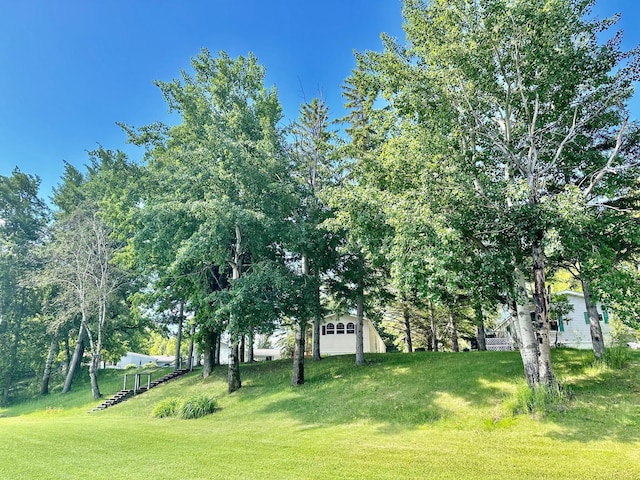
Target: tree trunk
(407, 327)
(541, 299)
(234, 382)
(76, 359)
(178, 364)
(595, 329)
(209, 352)
(434, 328)
(242, 348)
(191, 347)
(46, 377)
(217, 349)
(67, 353)
(482, 342)
(528, 343)
(207, 362)
(93, 375)
(513, 324)
(234, 366)
(360, 326)
(297, 375)
(317, 321)
(454, 332)
(250, 358)
(316, 339)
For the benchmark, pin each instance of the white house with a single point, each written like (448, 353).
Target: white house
(338, 336)
(572, 330)
(139, 359)
(266, 354)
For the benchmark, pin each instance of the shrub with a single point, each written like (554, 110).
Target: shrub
(197, 406)
(541, 399)
(150, 365)
(166, 408)
(130, 366)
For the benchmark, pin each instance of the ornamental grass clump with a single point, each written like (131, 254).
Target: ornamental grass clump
(195, 406)
(166, 408)
(617, 356)
(541, 399)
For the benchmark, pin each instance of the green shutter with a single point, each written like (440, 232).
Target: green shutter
(605, 315)
(586, 317)
(561, 323)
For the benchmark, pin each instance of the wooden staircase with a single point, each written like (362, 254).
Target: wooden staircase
(125, 393)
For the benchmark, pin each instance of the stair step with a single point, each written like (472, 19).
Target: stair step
(123, 395)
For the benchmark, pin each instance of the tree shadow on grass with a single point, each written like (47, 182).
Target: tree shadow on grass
(398, 391)
(606, 405)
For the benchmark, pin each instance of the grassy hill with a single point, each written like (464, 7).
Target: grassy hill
(421, 415)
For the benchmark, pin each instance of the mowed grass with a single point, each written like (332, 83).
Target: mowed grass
(422, 415)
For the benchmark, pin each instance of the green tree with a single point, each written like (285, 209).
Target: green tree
(222, 184)
(361, 275)
(595, 245)
(316, 167)
(90, 287)
(516, 84)
(23, 218)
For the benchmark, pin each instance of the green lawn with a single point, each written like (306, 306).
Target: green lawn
(423, 415)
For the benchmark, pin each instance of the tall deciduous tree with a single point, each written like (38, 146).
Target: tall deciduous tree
(90, 287)
(221, 179)
(23, 217)
(593, 243)
(517, 83)
(81, 262)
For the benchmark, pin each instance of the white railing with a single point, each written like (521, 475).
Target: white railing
(499, 344)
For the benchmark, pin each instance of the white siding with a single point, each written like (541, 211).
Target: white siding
(576, 331)
(345, 343)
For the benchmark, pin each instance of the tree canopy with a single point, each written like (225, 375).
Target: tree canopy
(490, 150)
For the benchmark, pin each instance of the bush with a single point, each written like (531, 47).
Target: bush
(150, 365)
(541, 399)
(131, 366)
(166, 408)
(197, 406)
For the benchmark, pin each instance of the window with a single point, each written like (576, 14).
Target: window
(351, 328)
(330, 329)
(324, 330)
(553, 325)
(340, 328)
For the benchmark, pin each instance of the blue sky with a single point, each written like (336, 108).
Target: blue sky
(71, 69)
